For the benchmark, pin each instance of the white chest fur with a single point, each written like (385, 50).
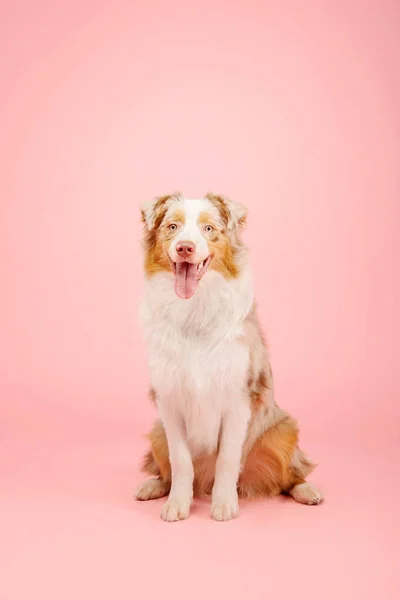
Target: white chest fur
(198, 362)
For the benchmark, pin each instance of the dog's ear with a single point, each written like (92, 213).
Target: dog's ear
(233, 213)
(153, 212)
(238, 214)
(148, 211)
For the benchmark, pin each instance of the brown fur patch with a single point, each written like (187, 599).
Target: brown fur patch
(222, 206)
(159, 209)
(267, 470)
(152, 395)
(178, 216)
(224, 256)
(225, 247)
(156, 238)
(149, 465)
(156, 461)
(260, 380)
(206, 218)
(257, 388)
(156, 260)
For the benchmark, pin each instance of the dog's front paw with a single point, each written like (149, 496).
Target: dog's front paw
(176, 509)
(225, 507)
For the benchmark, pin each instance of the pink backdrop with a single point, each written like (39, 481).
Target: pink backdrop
(292, 108)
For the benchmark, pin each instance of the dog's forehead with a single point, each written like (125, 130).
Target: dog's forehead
(193, 208)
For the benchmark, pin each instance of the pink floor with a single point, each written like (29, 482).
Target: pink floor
(71, 529)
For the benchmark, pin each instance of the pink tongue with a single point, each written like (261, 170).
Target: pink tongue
(185, 280)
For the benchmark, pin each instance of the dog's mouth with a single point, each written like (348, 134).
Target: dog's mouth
(187, 276)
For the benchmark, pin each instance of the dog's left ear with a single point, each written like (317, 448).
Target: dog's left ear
(237, 214)
(233, 213)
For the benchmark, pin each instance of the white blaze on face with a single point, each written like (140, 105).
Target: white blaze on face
(191, 230)
(188, 274)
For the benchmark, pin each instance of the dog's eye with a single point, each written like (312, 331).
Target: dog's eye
(209, 228)
(173, 226)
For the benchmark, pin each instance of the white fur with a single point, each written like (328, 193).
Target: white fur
(198, 368)
(196, 358)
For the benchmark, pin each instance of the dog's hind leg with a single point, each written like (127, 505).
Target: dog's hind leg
(152, 489)
(276, 465)
(156, 463)
(301, 490)
(306, 493)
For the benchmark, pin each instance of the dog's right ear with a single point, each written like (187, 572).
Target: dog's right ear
(153, 212)
(148, 210)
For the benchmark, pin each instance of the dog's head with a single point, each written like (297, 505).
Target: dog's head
(190, 237)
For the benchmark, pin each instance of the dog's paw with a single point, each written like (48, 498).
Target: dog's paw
(225, 508)
(152, 489)
(175, 509)
(306, 493)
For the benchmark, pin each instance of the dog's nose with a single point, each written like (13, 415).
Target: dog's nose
(185, 249)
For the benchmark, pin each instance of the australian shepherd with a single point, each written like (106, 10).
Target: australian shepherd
(219, 431)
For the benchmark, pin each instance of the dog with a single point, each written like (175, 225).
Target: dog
(220, 431)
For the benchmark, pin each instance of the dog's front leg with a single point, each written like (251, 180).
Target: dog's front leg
(180, 497)
(225, 504)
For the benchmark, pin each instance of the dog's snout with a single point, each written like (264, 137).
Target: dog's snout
(185, 249)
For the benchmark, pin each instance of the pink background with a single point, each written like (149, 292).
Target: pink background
(291, 107)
